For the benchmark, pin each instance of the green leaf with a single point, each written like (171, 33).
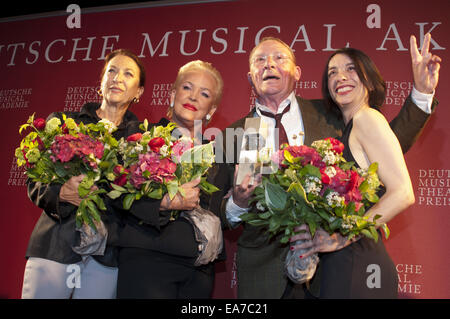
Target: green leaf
(99, 202)
(128, 201)
(265, 215)
(172, 189)
(207, 187)
(386, 230)
(258, 223)
(157, 193)
(274, 224)
(367, 233)
(374, 233)
(248, 216)
(347, 165)
(311, 170)
(93, 209)
(373, 168)
(275, 196)
(118, 188)
(114, 194)
(322, 213)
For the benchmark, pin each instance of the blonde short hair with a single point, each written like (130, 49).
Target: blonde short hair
(199, 65)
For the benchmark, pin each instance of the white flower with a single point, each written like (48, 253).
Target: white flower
(260, 206)
(138, 148)
(313, 185)
(334, 200)
(330, 158)
(164, 150)
(109, 126)
(330, 171)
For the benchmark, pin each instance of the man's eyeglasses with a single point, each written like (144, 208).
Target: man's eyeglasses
(278, 58)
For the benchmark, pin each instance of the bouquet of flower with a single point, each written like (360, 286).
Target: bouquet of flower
(315, 186)
(155, 164)
(53, 152)
(318, 187)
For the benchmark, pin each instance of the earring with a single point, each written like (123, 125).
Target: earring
(135, 100)
(208, 117)
(171, 104)
(99, 92)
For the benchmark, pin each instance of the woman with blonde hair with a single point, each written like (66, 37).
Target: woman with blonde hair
(158, 256)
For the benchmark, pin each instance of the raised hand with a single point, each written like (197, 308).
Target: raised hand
(425, 65)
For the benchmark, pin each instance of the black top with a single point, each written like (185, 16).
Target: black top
(54, 233)
(347, 153)
(149, 228)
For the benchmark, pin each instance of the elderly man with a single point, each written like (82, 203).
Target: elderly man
(273, 73)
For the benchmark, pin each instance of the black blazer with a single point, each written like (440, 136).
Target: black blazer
(260, 260)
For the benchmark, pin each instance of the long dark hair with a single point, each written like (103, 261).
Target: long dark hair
(368, 74)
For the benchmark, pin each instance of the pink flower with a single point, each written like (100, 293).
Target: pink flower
(308, 154)
(66, 147)
(156, 143)
(339, 181)
(159, 170)
(179, 147)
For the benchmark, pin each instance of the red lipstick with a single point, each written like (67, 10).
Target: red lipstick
(190, 107)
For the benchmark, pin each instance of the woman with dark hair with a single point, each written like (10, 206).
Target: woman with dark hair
(352, 85)
(56, 268)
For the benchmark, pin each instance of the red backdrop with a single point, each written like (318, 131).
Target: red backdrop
(46, 66)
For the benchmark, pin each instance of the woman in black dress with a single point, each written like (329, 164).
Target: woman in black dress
(157, 256)
(361, 268)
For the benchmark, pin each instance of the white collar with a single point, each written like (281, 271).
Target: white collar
(290, 100)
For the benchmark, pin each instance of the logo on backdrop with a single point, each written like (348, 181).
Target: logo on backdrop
(397, 92)
(15, 98)
(433, 188)
(77, 96)
(409, 279)
(161, 94)
(17, 175)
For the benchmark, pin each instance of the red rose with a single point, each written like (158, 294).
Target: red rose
(41, 145)
(118, 169)
(135, 137)
(325, 178)
(121, 180)
(338, 147)
(156, 143)
(64, 129)
(39, 124)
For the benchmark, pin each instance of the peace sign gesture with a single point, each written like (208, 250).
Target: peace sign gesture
(425, 65)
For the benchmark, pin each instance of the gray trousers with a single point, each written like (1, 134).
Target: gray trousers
(87, 279)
